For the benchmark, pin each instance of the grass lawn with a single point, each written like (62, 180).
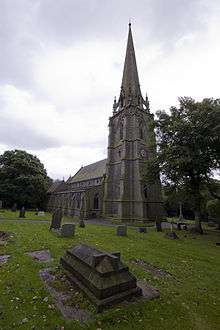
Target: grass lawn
(189, 300)
(30, 215)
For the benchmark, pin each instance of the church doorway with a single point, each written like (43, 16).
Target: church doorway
(96, 201)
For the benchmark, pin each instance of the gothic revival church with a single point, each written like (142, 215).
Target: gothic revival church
(114, 187)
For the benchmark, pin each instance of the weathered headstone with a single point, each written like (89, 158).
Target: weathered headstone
(14, 207)
(22, 212)
(56, 219)
(67, 230)
(82, 223)
(121, 230)
(142, 229)
(41, 214)
(100, 275)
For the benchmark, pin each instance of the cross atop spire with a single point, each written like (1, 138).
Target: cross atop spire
(130, 81)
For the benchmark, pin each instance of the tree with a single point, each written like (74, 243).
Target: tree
(189, 147)
(23, 179)
(213, 208)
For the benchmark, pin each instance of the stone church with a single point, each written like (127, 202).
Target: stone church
(114, 187)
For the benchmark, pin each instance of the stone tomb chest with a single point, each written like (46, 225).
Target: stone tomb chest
(100, 275)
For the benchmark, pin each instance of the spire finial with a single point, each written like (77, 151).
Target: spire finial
(129, 24)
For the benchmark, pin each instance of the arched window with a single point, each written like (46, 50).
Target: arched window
(121, 131)
(96, 201)
(141, 133)
(145, 191)
(78, 201)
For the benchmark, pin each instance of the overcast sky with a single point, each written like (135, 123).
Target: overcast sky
(61, 65)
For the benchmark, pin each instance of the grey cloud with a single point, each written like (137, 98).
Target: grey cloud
(19, 135)
(27, 26)
(69, 21)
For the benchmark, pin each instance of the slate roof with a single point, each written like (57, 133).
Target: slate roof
(54, 186)
(92, 171)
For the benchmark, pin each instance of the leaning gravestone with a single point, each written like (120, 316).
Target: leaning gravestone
(100, 275)
(56, 219)
(67, 230)
(22, 212)
(121, 230)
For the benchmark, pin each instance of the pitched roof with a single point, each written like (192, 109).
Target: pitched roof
(92, 171)
(130, 80)
(54, 186)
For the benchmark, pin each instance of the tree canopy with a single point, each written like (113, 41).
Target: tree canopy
(23, 179)
(188, 147)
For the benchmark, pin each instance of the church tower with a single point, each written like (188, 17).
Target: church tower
(131, 142)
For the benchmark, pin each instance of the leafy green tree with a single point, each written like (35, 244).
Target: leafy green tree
(23, 179)
(213, 208)
(188, 148)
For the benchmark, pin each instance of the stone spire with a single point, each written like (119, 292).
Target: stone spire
(130, 87)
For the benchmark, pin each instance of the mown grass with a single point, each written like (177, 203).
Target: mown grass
(190, 299)
(31, 215)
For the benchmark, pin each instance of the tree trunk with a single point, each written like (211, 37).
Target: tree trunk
(198, 225)
(195, 185)
(180, 212)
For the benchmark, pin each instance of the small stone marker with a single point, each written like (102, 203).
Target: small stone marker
(4, 259)
(22, 212)
(99, 274)
(121, 230)
(67, 230)
(14, 207)
(82, 223)
(142, 229)
(41, 214)
(56, 219)
(42, 255)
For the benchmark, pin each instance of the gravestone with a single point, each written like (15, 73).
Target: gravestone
(121, 230)
(41, 214)
(14, 207)
(82, 223)
(67, 230)
(56, 219)
(142, 229)
(22, 212)
(100, 275)
(0, 204)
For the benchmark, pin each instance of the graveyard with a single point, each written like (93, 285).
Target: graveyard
(182, 276)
